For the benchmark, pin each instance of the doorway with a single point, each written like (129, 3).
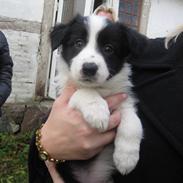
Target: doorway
(64, 12)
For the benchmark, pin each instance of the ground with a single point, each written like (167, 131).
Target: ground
(17, 123)
(13, 156)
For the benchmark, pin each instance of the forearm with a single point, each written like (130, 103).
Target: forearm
(6, 65)
(5, 91)
(4, 47)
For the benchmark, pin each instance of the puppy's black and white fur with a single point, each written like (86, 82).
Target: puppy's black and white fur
(94, 53)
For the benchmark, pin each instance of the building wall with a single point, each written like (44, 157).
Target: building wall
(21, 22)
(26, 23)
(22, 9)
(164, 17)
(24, 50)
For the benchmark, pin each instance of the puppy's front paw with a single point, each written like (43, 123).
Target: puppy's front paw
(125, 160)
(93, 107)
(97, 115)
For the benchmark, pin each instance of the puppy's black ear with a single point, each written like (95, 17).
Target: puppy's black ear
(137, 42)
(57, 35)
(59, 31)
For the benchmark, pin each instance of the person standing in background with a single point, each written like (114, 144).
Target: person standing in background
(6, 70)
(106, 11)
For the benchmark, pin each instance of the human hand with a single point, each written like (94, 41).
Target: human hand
(67, 136)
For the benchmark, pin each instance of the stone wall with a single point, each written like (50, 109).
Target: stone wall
(24, 117)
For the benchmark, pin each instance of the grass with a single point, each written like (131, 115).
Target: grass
(13, 157)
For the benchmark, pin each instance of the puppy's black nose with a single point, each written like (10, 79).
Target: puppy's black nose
(89, 69)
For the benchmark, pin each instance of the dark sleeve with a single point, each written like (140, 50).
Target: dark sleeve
(6, 65)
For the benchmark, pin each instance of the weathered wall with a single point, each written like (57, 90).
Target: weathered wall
(164, 17)
(27, 24)
(21, 22)
(21, 9)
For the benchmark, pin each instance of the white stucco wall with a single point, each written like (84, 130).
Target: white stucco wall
(24, 51)
(22, 9)
(24, 42)
(164, 17)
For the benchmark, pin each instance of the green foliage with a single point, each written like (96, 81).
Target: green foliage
(13, 157)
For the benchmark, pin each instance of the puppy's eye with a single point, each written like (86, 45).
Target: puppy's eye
(79, 43)
(108, 48)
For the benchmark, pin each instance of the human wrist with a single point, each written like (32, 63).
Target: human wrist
(43, 153)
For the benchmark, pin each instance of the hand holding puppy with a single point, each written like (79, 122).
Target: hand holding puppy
(67, 136)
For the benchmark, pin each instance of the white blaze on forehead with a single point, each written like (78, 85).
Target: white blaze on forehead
(96, 24)
(90, 53)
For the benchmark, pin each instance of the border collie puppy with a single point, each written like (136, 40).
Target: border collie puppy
(94, 53)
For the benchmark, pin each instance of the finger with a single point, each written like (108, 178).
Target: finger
(67, 92)
(114, 120)
(106, 138)
(53, 172)
(115, 100)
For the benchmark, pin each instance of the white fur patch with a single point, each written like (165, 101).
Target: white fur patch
(127, 141)
(93, 107)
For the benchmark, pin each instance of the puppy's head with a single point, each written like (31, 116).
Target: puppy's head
(94, 48)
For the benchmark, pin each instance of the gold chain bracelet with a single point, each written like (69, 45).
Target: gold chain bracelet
(44, 155)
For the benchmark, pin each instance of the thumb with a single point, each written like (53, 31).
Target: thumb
(67, 92)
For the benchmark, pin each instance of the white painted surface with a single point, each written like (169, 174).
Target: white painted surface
(24, 52)
(56, 20)
(164, 17)
(22, 9)
(88, 7)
